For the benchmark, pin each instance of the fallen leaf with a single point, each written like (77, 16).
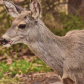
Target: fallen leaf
(19, 75)
(37, 64)
(25, 57)
(7, 74)
(9, 60)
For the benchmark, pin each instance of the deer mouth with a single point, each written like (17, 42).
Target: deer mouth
(4, 41)
(10, 42)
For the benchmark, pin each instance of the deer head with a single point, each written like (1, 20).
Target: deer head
(24, 23)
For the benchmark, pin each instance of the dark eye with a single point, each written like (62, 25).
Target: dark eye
(22, 26)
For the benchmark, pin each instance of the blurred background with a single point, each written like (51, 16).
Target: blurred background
(60, 16)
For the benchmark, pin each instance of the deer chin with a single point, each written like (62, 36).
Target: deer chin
(8, 44)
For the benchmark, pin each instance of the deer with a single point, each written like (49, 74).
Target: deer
(64, 54)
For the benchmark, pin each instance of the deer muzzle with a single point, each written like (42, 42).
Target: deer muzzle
(4, 41)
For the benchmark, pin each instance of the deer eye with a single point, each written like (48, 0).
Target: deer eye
(22, 26)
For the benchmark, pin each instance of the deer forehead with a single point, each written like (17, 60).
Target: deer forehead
(21, 17)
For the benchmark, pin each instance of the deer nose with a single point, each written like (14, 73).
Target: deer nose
(3, 41)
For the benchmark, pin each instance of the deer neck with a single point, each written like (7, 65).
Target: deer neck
(46, 46)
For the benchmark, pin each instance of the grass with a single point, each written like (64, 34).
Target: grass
(24, 67)
(9, 80)
(8, 73)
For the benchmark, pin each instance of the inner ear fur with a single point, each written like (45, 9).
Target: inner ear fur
(12, 9)
(35, 8)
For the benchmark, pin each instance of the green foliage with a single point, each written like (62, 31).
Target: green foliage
(69, 22)
(9, 80)
(1, 75)
(22, 66)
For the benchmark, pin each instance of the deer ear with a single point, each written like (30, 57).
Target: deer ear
(12, 9)
(35, 8)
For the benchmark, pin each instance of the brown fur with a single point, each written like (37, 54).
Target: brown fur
(64, 54)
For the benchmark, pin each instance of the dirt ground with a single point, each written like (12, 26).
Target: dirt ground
(41, 78)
